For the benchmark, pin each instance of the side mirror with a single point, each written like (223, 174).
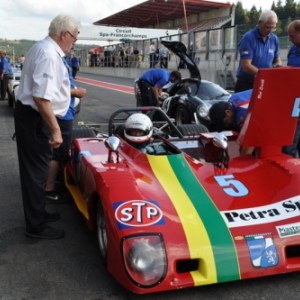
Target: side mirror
(220, 141)
(113, 143)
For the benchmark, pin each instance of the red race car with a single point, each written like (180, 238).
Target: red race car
(199, 213)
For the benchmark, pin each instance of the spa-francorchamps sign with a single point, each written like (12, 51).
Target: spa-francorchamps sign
(105, 33)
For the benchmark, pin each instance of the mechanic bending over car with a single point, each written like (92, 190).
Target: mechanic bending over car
(151, 83)
(231, 114)
(138, 133)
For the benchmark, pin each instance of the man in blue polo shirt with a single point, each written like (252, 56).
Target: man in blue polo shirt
(293, 60)
(5, 69)
(259, 48)
(151, 83)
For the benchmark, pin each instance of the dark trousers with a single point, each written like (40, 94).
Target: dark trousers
(293, 149)
(146, 93)
(243, 85)
(74, 72)
(152, 60)
(34, 152)
(164, 62)
(4, 83)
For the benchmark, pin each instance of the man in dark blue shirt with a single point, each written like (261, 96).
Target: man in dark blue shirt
(151, 83)
(259, 48)
(74, 65)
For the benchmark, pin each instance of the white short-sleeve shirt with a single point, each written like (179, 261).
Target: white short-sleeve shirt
(44, 75)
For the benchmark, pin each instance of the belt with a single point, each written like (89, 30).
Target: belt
(245, 80)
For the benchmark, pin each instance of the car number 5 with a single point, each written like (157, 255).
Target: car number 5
(231, 186)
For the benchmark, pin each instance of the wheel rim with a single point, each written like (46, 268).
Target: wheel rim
(101, 231)
(180, 117)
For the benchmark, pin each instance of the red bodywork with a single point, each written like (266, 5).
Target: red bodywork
(216, 222)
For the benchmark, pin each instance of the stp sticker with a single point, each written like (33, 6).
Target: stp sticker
(262, 250)
(138, 213)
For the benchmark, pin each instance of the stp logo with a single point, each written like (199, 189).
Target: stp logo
(138, 213)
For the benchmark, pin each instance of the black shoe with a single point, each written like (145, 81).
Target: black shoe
(50, 217)
(47, 233)
(52, 196)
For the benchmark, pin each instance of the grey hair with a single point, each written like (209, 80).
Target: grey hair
(63, 23)
(268, 14)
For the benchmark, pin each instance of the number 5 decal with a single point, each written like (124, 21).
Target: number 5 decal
(231, 186)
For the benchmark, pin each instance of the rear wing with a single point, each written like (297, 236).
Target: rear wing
(273, 111)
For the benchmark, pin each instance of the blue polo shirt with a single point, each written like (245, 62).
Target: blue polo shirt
(239, 103)
(4, 64)
(261, 53)
(293, 57)
(159, 77)
(71, 110)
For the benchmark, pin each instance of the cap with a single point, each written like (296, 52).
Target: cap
(217, 114)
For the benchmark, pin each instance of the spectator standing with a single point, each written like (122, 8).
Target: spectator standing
(5, 70)
(122, 57)
(21, 60)
(74, 65)
(60, 155)
(151, 83)
(259, 48)
(152, 54)
(44, 94)
(163, 56)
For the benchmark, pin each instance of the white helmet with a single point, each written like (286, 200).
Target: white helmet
(141, 122)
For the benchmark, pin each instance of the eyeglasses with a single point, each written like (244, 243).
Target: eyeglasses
(73, 36)
(271, 28)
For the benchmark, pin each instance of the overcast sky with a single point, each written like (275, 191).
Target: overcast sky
(30, 19)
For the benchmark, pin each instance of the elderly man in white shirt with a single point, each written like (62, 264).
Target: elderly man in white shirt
(43, 95)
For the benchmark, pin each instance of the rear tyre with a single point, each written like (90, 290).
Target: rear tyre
(182, 115)
(78, 133)
(192, 129)
(101, 233)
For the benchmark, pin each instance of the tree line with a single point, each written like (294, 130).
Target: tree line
(285, 13)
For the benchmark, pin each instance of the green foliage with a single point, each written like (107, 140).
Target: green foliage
(19, 47)
(247, 20)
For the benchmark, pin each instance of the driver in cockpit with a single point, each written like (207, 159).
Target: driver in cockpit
(138, 132)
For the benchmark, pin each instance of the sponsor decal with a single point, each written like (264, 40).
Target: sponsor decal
(239, 238)
(288, 230)
(138, 213)
(263, 252)
(282, 210)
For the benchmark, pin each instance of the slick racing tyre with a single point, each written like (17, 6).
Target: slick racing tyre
(78, 133)
(192, 129)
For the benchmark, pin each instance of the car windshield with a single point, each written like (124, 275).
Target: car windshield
(211, 91)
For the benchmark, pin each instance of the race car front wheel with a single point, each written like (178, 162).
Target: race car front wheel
(101, 232)
(182, 115)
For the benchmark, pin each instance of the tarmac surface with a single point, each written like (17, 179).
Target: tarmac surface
(71, 268)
